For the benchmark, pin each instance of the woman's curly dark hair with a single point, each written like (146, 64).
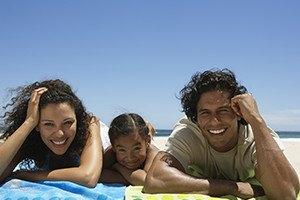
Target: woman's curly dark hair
(33, 148)
(210, 80)
(126, 124)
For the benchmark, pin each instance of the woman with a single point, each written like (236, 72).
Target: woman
(48, 131)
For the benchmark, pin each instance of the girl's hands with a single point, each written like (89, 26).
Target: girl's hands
(33, 106)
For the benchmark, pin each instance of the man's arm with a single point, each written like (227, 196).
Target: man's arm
(166, 176)
(273, 170)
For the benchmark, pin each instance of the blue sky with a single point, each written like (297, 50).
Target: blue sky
(135, 56)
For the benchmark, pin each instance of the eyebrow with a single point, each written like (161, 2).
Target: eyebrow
(67, 119)
(136, 144)
(205, 109)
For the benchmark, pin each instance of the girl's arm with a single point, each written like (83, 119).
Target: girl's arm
(112, 176)
(134, 177)
(12, 144)
(109, 175)
(89, 170)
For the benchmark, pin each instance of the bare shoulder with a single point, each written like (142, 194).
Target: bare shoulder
(109, 158)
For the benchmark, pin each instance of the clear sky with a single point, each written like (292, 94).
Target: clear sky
(135, 56)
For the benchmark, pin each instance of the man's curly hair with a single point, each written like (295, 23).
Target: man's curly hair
(33, 148)
(210, 80)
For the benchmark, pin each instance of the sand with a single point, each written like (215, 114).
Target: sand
(291, 150)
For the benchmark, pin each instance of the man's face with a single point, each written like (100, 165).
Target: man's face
(217, 121)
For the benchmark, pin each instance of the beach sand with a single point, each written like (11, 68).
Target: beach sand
(291, 150)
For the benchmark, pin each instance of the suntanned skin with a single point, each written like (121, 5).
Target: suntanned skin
(87, 173)
(115, 172)
(273, 170)
(278, 178)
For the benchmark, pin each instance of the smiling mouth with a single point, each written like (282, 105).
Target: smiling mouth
(59, 142)
(132, 165)
(217, 131)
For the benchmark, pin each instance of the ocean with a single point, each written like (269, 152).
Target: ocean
(282, 134)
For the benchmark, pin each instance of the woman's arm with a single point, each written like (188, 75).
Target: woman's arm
(12, 144)
(90, 167)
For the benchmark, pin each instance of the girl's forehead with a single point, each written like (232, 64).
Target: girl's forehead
(130, 138)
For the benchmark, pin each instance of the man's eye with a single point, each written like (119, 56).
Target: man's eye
(49, 124)
(204, 113)
(224, 111)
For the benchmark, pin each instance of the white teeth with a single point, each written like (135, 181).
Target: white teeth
(217, 131)
(59, 142)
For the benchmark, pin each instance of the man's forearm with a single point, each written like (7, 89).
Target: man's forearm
(165, 175)
(273, 170)
(182, 183)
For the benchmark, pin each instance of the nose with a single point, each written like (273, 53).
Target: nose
(214, 119)
(130, 156)
(59, 133)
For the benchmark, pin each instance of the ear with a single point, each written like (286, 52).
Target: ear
(148, 141)
(113, 148)
(37, 129)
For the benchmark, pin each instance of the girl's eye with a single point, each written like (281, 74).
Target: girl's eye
(121, 150)
(137, 148)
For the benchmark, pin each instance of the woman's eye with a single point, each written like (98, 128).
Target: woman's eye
(68, 123)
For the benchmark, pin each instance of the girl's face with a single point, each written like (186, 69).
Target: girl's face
(57, 126)
(131, 150)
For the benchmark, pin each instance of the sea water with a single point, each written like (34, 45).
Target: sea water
(282, 134)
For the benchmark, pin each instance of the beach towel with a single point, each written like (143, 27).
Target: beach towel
(58, 190)
(135, 193)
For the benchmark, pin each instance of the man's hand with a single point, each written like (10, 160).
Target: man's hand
(246, 107)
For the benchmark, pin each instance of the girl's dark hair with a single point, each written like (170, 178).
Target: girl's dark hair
(33, 148)
(126, 124)
(210, 80)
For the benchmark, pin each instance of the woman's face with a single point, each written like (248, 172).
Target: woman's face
(57, 126)
(131, 150)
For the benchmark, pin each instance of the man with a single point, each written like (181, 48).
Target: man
(223, 147)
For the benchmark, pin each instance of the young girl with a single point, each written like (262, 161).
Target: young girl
(50, 134)
(131, 154)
